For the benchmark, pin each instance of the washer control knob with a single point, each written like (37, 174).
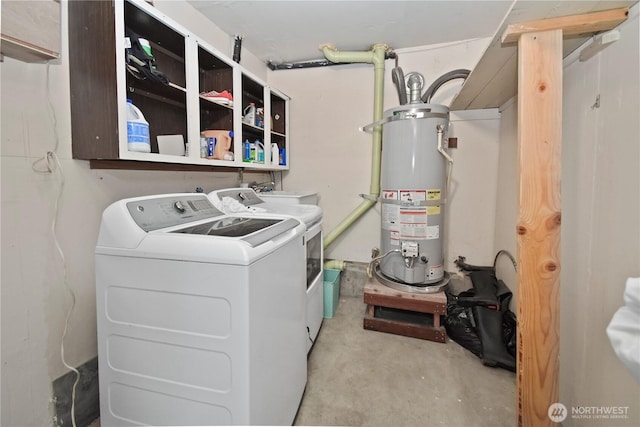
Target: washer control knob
(179, 206)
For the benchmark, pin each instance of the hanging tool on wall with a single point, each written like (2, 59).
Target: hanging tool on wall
(237, 47)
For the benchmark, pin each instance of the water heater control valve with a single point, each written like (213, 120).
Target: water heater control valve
(409, 249)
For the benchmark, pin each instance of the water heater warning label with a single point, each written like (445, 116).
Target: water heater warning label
(390, 214)
(413, 222)
(412, 196)
(433, 210)
(407, 219)
(433, 194)
(390, 194)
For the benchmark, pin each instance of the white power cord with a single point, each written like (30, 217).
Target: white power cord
(52, 163)
(52, 155)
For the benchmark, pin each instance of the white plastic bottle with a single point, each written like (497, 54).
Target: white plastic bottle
(259, 152)
(137, 130)
(250, 114)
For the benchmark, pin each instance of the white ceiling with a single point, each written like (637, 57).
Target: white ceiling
(292, 31)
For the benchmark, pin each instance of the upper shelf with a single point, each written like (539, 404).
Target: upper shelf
(494, 80)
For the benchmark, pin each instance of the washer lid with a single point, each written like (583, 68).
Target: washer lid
(254, 231)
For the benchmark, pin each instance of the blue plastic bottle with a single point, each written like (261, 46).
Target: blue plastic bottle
(246, 151)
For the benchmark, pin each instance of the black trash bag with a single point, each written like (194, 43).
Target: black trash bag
(460, 326)
(509, 329)
(479, 318)
(140, 64)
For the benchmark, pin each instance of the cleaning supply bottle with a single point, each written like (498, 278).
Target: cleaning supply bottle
(223, 142)
(246, 151)
(275, 154)
(137, 130)
(259, 151)
(259, 122)
(211, 145)
(252, 156)
(250, 114)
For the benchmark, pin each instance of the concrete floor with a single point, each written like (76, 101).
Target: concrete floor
(358, 377)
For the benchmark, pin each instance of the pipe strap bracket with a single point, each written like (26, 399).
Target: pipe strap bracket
(371, 197)
(414, 113)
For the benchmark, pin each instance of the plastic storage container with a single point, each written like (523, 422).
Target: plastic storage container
(331, 292)
(137, 130)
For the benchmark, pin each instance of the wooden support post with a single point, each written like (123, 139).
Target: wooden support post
(538, 227)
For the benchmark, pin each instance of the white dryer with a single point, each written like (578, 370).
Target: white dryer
(201, 318)
(311, 215)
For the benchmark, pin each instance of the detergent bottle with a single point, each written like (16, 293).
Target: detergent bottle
(137, 130)
(252, 157)
(223, 142)
(259, 151)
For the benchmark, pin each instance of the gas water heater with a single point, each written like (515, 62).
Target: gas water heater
(414, 181)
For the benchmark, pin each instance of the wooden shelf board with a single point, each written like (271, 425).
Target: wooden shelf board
(494, 79)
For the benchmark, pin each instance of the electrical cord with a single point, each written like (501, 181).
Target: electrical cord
(507, 253)
(46, 166)
(53, 156)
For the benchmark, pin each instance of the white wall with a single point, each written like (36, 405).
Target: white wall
(600, 242)
(600, 219)
(35, 299)
(471, 216)
(331, 156)
(507, 198)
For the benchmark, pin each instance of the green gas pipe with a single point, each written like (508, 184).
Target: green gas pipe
(376, 57)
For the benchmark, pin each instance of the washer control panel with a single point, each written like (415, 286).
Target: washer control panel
(156, 213)
(246, 196)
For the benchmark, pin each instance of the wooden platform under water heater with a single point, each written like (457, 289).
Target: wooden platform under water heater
(405, 313)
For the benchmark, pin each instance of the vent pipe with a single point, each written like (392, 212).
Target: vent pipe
(375, 56)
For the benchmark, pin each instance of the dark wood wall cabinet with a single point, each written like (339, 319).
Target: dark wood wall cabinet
(190, 92)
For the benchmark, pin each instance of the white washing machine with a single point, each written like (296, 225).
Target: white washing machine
(311, 215)
(201, 318)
